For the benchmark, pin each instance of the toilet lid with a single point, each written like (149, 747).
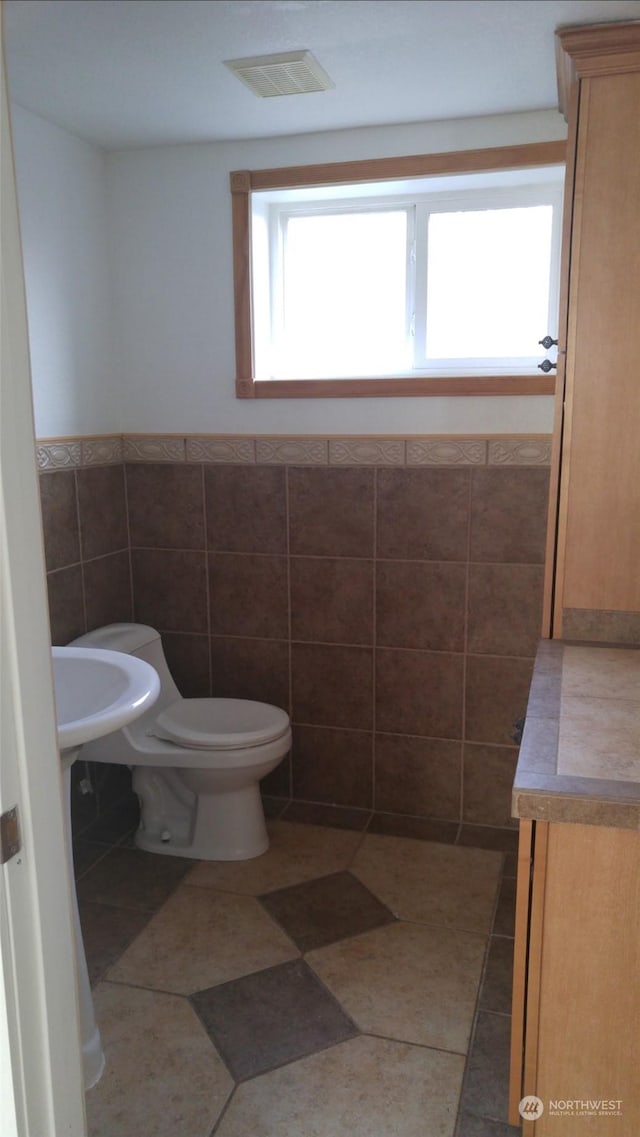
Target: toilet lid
(221, 724)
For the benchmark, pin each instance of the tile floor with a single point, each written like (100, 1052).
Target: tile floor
(346, 982)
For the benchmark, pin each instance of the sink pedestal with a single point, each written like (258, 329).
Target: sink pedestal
(97, 691)
(92, 1055)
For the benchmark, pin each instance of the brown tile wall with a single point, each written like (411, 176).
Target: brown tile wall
(86, 542)
(393, 612)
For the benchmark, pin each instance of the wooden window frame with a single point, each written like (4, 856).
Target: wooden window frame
(244, 182)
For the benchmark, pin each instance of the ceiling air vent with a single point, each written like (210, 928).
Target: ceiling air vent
(291, 73)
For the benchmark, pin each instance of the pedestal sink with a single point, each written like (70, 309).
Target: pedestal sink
(96, 692)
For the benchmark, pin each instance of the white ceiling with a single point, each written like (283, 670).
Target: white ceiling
(125, 73)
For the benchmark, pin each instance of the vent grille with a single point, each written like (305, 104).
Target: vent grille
(291, 73)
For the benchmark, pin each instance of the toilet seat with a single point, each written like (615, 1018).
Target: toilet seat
(221, 724)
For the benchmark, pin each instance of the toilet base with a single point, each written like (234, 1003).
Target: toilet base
(227, 827)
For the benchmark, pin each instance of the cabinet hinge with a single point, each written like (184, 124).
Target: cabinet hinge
(10, 842)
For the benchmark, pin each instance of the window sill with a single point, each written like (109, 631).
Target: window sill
(390, 388)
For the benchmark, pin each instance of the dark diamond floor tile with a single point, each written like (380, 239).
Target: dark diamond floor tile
(129, 878)
(470, 1126)
(320, 912)
(510, 864)
(504, 924)
(106, 932)
(486, 1088)
(335, 816)
(489, 837)
(419, 828)
(498, 979)
(263, 1020)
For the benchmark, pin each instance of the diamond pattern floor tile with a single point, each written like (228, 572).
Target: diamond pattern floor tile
(129, 878)
(106, 932)
(411, 982)
(431, 883)
(296, 853)
(274, 1016)
(163, 1075)
(394, 930)
(367, 1087)
(199, 938)
(319, 912)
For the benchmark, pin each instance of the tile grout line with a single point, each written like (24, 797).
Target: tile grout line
(132, 599)
(80, 550)
(287, 518)
(374, 642)
(205, 530)
(226, 1105)
(419, 1045)
(463, 727)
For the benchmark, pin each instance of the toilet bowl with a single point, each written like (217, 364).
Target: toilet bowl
(196, 763)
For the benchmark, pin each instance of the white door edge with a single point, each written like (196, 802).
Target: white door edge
(40, 1058)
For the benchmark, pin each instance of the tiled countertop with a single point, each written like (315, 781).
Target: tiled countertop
(580, 754)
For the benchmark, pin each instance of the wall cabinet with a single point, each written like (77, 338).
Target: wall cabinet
(576, 1005)
(593, 553)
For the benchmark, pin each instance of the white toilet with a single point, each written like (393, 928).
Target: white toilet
(196, 762)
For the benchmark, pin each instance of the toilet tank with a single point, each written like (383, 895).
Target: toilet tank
(139, 640)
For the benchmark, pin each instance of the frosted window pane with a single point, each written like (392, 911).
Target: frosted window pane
(488, 282)
(344, 295)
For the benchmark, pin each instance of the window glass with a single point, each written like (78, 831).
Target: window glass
(344, 295)
(488, 283)
(430, 282)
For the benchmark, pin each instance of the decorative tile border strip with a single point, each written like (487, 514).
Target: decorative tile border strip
(231, 451)
(60, 455)
(366, 452)
(102, 451)
(153, 448)
(446, 452)
(292, 450)
(520, 452)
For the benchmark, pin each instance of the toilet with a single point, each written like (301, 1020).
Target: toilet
(196, 763)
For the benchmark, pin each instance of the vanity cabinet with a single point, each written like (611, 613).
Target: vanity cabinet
(576, 1024)
(593, 552)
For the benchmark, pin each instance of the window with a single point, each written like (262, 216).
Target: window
(439, 277)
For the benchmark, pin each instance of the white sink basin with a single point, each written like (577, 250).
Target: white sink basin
(98, 691)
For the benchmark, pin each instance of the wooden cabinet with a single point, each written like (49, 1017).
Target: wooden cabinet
(576, 1005)
(576, 1012)
(593, 554)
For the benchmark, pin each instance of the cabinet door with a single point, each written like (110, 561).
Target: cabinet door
(588, 1041)
(520, 969)
(599, 517)
(532, 849)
